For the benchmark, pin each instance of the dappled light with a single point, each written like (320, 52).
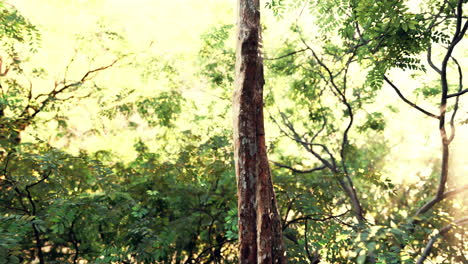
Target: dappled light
(187, 132)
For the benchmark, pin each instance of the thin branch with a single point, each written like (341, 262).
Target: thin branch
(206, 250)
(37, 234)
(458, 35)
(315, 259)
(320, 130)
(296, 137)
(449, 194)
(434, 22)
(409, 102)
(7, 161)
(326, 150)
(460, 88)
(427, 206)
(312, 218)
(287, 55)
(457, 93)
(65, 75)
(297, 170)
(52, 95)
(289, 207)
(429, 60)
(45, 176)
(348, 188)
(442, 232)
(355, 199)
(15, 209)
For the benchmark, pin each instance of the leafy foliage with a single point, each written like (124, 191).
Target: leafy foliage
(174, 200)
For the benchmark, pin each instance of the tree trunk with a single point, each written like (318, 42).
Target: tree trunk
(260, 236)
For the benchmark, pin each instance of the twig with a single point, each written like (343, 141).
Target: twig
(312, 218)
(287, 55)
(297, 170)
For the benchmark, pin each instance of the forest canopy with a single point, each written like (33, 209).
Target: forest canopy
(116, 141)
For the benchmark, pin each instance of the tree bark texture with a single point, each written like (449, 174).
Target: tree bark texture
(260, 236)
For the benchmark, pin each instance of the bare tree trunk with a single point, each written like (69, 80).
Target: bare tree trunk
(260, 236)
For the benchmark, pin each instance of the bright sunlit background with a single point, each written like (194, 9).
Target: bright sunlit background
(173, 29)
(152, 34)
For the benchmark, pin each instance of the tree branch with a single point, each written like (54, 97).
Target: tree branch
(408, 101)
(312, 217)
(341, 94)
(442, 232)
(296, 137)
(56, 91)
(297, 170)
(44, 177)
(427, 206)
(457, 93)
(429, 60)
(287, 55)
(315, 259)
(455, 109)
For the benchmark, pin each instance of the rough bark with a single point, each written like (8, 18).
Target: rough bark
(260, 236)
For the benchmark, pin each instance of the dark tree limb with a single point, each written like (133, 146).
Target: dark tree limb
(458, 35)
(455, 109)
(280, 165)
(427, 206)
(313, 258)
(74, 240)
(33, 212)
(408, 101)
(60, 88)
(346, 184)
(349, 186)
(431, 63)
(442, 232)
(457, 93)
(289, 207)
(287, 55)
(37, 234)
(307, 146)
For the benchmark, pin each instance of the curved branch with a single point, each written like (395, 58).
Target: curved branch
(315, 259)
(408, 101)
(52, 95)
(286, 55)
(448, 194)
(453, 192)
(458, 35)
(349, 187)
(431, 63)
(455, 109)
(441, 232)
(297, 170)
(457, 94)
(312, 218)
(307, 146)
